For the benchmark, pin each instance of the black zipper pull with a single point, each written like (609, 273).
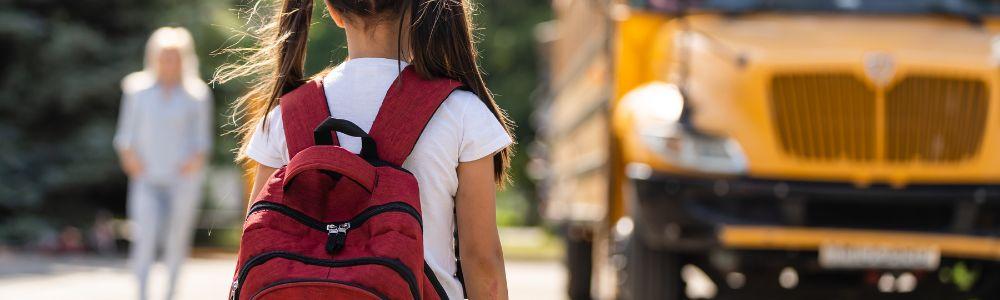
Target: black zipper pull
(336, 237)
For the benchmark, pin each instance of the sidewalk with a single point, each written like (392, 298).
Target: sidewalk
(31, 277)
(44, 278)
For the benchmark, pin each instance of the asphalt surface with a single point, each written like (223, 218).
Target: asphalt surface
(36, 277)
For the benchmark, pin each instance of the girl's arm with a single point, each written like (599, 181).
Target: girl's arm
(262, 174)
(482, 257)
(201, 137)
(125, 137)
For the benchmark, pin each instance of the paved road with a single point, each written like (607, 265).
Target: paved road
(44, 278)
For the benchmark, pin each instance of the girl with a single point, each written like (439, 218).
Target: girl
(164, 133)
(459, 159)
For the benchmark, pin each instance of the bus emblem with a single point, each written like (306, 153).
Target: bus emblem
(880, 68)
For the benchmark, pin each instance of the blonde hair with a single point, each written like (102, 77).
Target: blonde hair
(166, 38)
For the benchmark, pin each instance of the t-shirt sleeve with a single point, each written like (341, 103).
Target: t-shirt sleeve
(482, 133)
(266, 147)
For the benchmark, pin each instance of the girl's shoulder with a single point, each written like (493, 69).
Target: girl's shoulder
(273, 120)
(137, 82)
(469, 116)
(462, 103)
(197, 89)
(478, 130)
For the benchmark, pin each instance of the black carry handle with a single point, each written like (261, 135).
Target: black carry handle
(322, 136)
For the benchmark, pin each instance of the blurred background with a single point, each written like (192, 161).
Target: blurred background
(668, 149)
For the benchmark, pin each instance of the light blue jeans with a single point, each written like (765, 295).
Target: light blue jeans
(162, 216)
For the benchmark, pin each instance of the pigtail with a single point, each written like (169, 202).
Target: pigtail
(442, 45)
(277, 65)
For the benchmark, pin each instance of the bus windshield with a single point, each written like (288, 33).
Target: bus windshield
(956, 7)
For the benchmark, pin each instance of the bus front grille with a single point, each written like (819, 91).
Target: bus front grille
(824, 116)
(935, 119)
(835, 117)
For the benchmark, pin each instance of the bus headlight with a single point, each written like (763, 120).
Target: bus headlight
(656, 109)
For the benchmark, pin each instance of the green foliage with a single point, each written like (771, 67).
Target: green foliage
(507, 43)
(60, 67)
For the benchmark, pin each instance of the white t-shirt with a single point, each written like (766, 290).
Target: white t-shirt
(463, 129)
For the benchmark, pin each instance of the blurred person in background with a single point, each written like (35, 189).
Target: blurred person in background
(164, 134)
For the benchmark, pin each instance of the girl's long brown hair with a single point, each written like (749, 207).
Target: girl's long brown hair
(441, 45)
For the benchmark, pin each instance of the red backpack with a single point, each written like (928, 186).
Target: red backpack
(311, 235)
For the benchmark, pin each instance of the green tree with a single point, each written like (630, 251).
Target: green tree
(60, 67)
(508, 45)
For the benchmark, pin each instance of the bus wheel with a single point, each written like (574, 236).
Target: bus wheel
(579, 262)
(988, 286)
(650, 273)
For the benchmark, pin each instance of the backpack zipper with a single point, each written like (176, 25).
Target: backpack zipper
(262, 258)
(337, 231)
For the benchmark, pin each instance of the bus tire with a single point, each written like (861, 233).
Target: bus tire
(650, 274)
(579, 263)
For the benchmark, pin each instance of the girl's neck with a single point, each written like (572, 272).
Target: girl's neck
(378, 42)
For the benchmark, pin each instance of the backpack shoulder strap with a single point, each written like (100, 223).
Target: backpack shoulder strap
(302, 110)
(408, 106)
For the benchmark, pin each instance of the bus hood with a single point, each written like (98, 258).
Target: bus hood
(782, 86)
(791, 39)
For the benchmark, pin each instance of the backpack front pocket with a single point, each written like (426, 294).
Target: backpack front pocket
(315, 289)
(395, 266)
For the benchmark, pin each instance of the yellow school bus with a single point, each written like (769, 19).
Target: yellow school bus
(771, 149)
